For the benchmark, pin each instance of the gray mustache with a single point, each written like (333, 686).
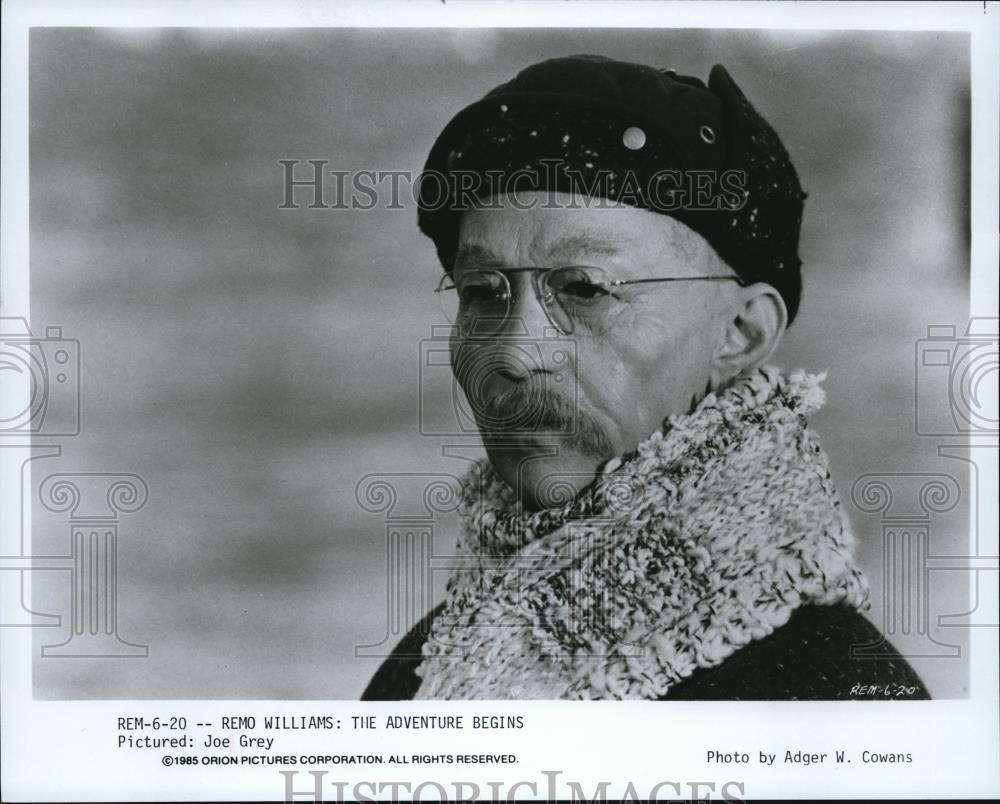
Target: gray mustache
(527, 408)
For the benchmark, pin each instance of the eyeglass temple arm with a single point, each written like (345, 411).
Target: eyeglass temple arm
(619, 282)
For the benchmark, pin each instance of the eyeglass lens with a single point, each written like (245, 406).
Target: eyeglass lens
(571, 296)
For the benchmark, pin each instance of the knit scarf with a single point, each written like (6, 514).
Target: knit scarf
(703, 539)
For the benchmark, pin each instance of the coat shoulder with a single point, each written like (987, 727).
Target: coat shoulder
(814, 656)
(396, 679)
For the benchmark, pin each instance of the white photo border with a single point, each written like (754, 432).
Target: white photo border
(66, 751)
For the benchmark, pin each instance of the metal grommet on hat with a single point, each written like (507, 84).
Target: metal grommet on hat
(707, 134)
(634, 138)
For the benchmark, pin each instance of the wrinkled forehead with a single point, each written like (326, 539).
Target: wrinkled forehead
(548, 229)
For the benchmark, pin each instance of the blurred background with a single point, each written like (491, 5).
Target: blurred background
(252, 364)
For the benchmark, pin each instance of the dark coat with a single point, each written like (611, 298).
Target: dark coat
(808, 659)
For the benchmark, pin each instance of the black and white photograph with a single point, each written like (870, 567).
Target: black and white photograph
(394, 395)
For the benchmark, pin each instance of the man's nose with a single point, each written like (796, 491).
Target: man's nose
(529, 344)
(527, 317)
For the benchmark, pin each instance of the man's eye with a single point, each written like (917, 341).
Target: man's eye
(582, 290)
(479, 294)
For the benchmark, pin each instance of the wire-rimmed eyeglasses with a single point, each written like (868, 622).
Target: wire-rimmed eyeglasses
(572, 296)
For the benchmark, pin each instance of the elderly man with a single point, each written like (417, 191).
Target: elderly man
(655, 518)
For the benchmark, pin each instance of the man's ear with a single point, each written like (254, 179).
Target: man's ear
(752, 332)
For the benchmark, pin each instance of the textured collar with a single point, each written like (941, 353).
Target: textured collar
(705, 537)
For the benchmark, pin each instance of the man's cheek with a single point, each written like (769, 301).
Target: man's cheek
(606, 371)
(467, 365)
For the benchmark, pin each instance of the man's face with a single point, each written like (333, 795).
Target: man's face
(551, 407)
